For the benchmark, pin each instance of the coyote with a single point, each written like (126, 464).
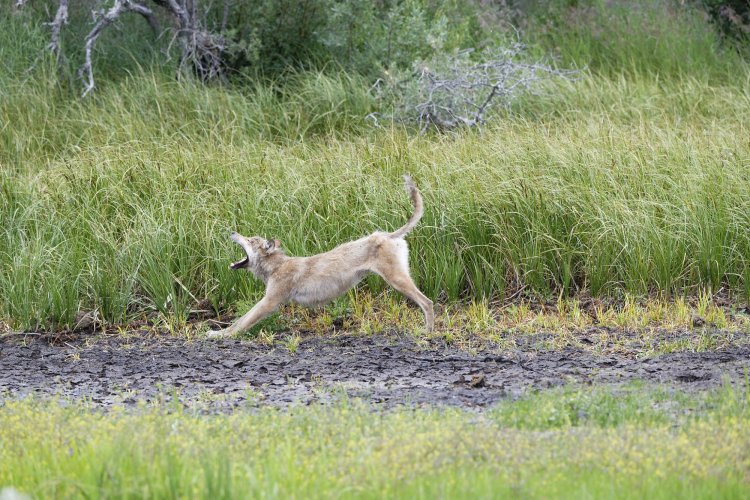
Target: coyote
(317, 279)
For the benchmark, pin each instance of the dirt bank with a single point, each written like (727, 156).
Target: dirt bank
(387, 371)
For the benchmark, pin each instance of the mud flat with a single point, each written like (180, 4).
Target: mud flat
(384, 370)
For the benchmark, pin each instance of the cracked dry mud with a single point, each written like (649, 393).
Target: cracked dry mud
(384, 370)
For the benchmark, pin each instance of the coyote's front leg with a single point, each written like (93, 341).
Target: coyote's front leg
(261, 310)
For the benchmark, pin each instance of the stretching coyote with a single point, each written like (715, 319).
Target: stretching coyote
(320, 278)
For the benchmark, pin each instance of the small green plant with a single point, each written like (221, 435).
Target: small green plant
(291, 343)
(268, 328)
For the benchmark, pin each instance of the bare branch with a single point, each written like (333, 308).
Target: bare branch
(149, 16)
(202, 51)
(86, 71)
(453, 91)
(61, 17)
(105, 20)
(181, 13)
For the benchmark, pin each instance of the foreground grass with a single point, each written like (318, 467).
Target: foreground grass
(622, 443)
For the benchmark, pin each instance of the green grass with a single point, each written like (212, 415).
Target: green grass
(625, 182)
(658, 38)
(611, 186)
(631, 182)
(631, 327)
(626, 442)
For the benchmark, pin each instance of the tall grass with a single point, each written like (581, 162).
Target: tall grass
(660, 38)
(629, 182)
(126, 203)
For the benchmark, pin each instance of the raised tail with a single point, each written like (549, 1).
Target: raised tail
(416, 200)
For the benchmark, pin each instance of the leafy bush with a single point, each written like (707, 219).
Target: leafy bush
(269, 37)
(731, 16)
(358, 35)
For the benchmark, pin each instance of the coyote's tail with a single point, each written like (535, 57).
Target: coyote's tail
(416, 200)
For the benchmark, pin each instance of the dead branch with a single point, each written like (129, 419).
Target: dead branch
(202, 51)
(150, 18)
(146, 13)
(181, 13)
(61, 17)
(86, 71)
(203, 54)
(455, 91)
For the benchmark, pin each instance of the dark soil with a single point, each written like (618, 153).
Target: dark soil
(384, 370)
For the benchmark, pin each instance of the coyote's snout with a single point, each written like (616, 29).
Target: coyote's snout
(320, 278)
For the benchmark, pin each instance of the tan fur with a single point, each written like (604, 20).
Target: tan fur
(317, 279)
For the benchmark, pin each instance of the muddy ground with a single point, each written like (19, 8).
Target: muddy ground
(384, 370)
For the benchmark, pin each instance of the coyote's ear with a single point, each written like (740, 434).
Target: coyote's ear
(271, 246)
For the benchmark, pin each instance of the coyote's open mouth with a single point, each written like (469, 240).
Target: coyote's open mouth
(243, 262)
(240, 263)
